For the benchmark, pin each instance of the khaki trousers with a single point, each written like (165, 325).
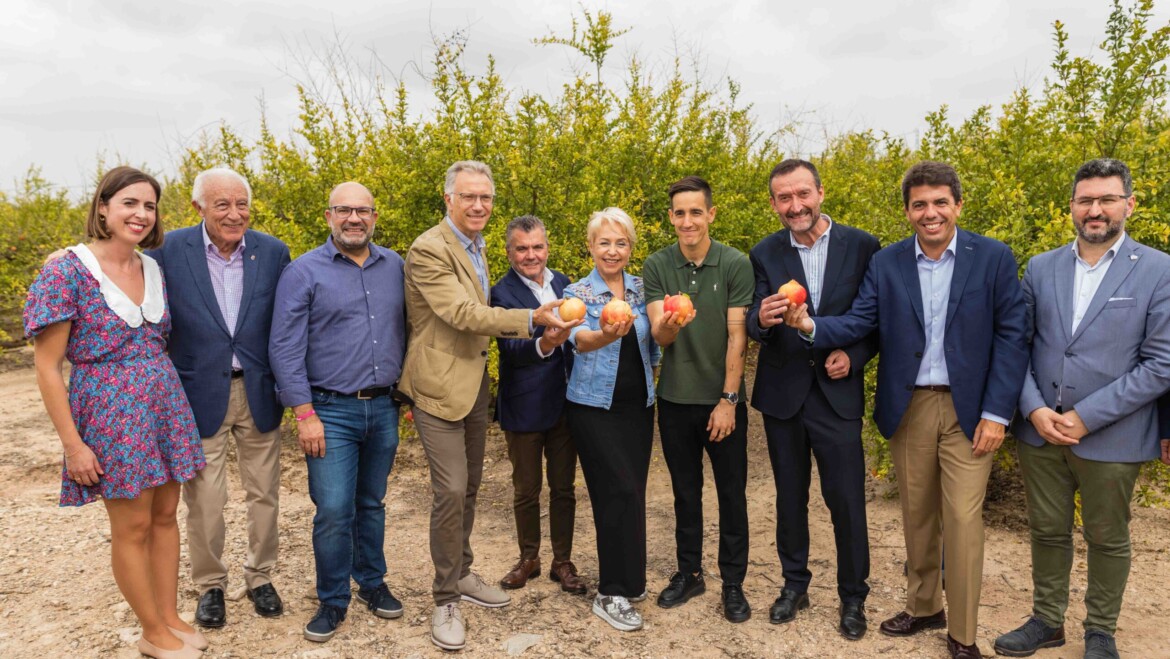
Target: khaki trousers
(942, 486)
(455, 453)
(206, 496)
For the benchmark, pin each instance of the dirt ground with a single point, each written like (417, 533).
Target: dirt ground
(58, 597)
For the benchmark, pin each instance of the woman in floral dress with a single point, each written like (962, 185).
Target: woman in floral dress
(126, 428)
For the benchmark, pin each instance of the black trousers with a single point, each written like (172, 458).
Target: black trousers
(817, 431)
(683, 429)
(614, 449)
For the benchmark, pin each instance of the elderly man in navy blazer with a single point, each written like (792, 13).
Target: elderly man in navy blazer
(949, 315)
(534, 373)
(221, 282)
(1099, 324)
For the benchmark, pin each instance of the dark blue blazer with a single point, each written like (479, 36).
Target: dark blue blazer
(984, 340)
(201, 346)
(531, 394)
(788, 366)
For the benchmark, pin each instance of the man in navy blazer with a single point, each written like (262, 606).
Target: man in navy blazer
(1099, 328)
(221, 282)
(534, 373)
(812, 400)
(950, 318)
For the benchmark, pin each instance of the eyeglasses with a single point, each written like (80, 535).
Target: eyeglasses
(470, 199)
(1107, 201)
(343, 212)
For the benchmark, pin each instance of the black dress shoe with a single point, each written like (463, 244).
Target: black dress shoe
(266, 601)
(905, 624)
(852, 620)
(735, 605)
(785, 607)
(682, 587)
(211, 611)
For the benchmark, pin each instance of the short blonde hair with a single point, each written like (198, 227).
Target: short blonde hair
(615, 216)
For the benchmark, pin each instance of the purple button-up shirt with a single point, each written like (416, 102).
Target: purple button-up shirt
(227, 280)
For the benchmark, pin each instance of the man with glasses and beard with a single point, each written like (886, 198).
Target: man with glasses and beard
(338, 341)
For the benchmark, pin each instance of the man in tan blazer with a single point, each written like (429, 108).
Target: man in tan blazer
(450, 324)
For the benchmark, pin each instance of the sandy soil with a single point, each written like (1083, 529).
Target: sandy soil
(58, 598)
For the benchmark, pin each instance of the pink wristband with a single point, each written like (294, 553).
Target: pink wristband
(302, 417)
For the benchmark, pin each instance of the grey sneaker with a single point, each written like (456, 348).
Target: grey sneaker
(448, 630)
(1100, 645)
(616, 610)
(475, 590)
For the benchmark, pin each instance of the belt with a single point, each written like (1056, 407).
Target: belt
(237, 374)
(939, 388)
(360, 394)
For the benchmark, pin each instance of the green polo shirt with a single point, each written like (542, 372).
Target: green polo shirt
(693, 367)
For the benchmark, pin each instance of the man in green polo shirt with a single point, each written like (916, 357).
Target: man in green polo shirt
(701, 391)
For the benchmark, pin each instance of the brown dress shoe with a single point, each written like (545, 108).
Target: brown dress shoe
(566, 573)
(960, 651)
(905, 624)
(525, 569)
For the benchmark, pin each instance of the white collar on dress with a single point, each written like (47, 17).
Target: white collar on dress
(118, 302)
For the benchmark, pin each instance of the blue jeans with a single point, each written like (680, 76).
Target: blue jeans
(347, 485)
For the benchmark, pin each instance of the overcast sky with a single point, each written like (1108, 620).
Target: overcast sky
(139, 79)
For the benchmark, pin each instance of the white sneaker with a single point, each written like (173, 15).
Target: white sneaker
(616, 610)
(448, 630)
(473, 589)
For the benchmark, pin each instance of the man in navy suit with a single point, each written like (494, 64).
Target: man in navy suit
(813, 400)
(534, 373)
(221, 282)
(950, 321)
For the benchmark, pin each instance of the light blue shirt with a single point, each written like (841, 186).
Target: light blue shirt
(934, 278)
(475, 253)
(813, 260)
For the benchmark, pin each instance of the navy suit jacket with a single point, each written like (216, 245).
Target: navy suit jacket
(531, 393)
(787, 365)
(201, 346)
(984, 340)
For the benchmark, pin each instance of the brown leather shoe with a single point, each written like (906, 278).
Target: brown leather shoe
(566, 573)
(905, 624)
(525, 569)
(960, 651)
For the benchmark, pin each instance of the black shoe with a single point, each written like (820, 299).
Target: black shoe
(1100, 645)
(380, 601)
(852, 624)
(735, 605)
(682, 587)
(265, 600)
(1033, 635)
(211, 611)
(785, 607)
(324, 623)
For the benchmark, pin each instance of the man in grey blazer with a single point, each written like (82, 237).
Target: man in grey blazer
(1099, 325)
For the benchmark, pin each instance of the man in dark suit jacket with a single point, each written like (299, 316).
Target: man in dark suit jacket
(221, 282)
(534, 373)
(950, 318)
(813, 399)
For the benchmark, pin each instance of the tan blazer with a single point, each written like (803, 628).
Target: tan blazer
(450, 324)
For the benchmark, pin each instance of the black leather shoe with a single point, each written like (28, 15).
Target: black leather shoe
(785, 607)
(735, 605)
(266, 601)
(852, 620)
(682, 587)
(1025, 640)
(211, 611)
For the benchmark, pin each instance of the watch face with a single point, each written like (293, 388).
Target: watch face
(732, 398)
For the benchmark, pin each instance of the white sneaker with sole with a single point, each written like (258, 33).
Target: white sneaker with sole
(616, 610)
(473, 589)
(448, 630)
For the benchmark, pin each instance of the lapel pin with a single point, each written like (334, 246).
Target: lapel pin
(1133, 257)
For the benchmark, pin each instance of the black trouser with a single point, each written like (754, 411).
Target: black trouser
(817, 431)
(684, 433)
(614, 448)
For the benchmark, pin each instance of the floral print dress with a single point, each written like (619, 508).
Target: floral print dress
(124, 394)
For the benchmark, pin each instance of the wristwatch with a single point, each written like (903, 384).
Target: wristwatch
(731, 397)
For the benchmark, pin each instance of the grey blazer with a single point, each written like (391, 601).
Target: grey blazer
(1115, 366)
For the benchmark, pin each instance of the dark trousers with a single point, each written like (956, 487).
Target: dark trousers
(817, 431)
(614, 446)
(525, 450)
(683, 429)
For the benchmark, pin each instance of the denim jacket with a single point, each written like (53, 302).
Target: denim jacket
(595, 372)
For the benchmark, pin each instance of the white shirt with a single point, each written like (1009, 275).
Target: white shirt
(544, 294)
(813, 260)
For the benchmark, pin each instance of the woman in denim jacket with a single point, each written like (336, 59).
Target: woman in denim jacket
(611, 415)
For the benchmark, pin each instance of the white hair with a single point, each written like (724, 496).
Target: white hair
(473, 166)
(217, 172)
(611, 216)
